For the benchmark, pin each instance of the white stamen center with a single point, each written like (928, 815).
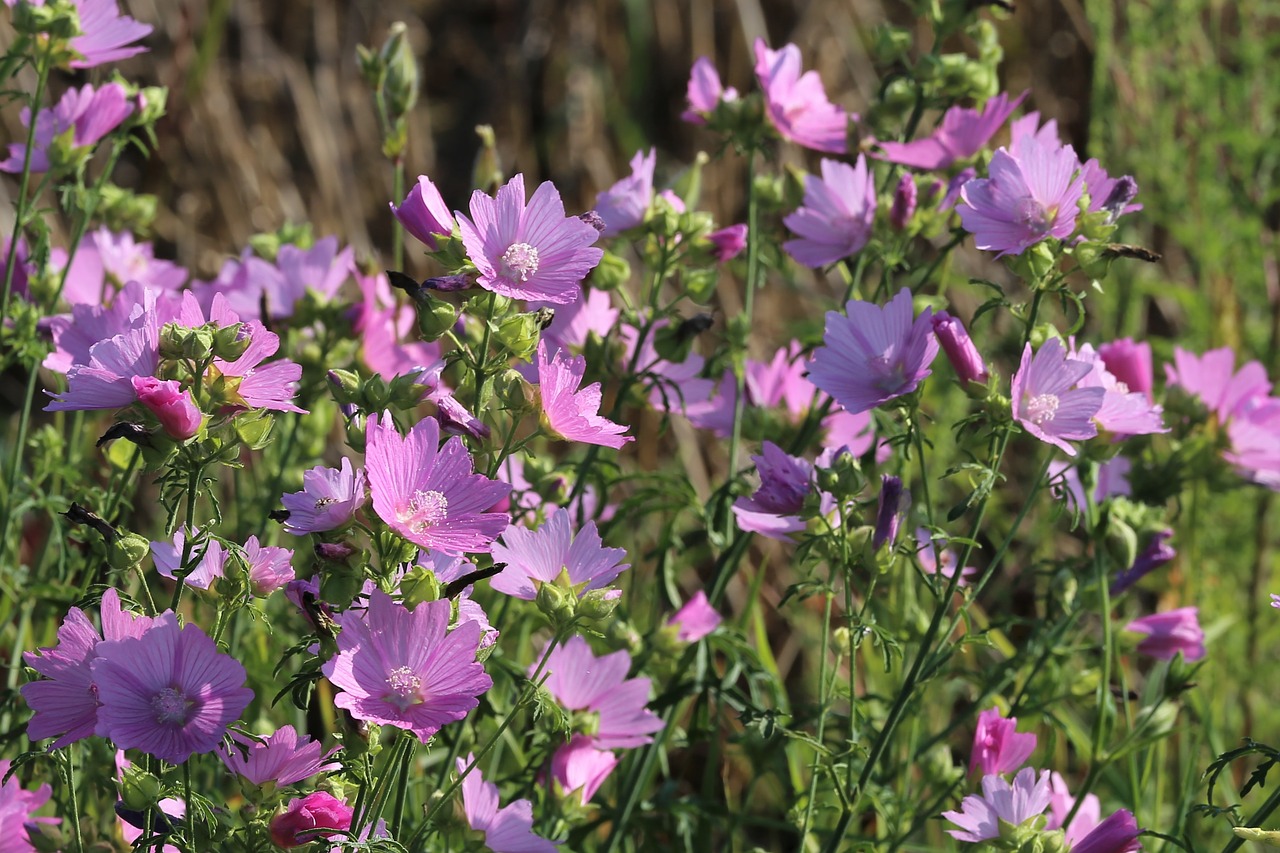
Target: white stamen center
(1042, 408)
(405, 688)
(170, 706)
(520, 261)
(426, 510)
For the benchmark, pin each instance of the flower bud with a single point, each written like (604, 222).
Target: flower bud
(904, 202)
(345, 385)
(599, 604)
(889, 513)
(305, 818)
(127, 551)
(519, 333)
(139, 790)
(419, 584)
(400, 83)
(612, 272)
(556, 603)
(424, 214)
(57, 20)
(172, 406)
(513, 392)
(729, 242)
(231, 342)
(960, 350)
(1121, 196)
(435, 317)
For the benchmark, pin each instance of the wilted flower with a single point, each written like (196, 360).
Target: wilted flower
(1043, 399)
(797, 104)
(306, 819)
(539, 556)
(997, 745)
(837, 215)
(570, 412)
(283, 758)
(785, 482)
(1169, 633)
(979, 817)
(506, 830)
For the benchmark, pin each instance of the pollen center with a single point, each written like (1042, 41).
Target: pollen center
(170, 706)
(321, 503)
(1033, 215)
(405, 687)
(1042, 408)
(520, 261)
(425, 510)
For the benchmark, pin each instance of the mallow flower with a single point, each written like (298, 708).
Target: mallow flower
(1169, 633)
(797, 104)
(1045, 402)
(535, 557)
(424, 214)
(624, 204)
(572, 412)
(837, 215)
(88, 113)
(785, 482)
(961, 134)
(705, 91)
(329, 499)
(998, 747)
(282, 758)
(105, 34)
(506, 830)
(980, 816)
(582, 682)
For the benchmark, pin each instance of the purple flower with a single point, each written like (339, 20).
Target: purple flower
(575, 322)
(106, 381)
(322, 268)
(624, 204)
(88, 113)
(728, 242)
(171, 404)
(1043, 403)
(1254, 448)
(169, 693)
(962, 133)
(997, 745)
(570, 413)
(403, 668)
(106, 258)
(1117, 834)
(329, 499)
(1169, 633)
(874, 354)
(283, 758)
(1129, 363)
(1156, 554)
(936, 559)
(582, 682)
(705, 92)
(449, 569)
(797, 104)
(960, 349)
(1212, 377)
(785, 482)
(1114, 195)
(539, 556)
(205, 561)
(889, 512)
(106, 35)
(306, 819)
(1123, 412)
(980, 816)
(528, 253)
(904, 202)
(271, 386)
(1113, 479)
(270, 568)
(955, 186)
(424, 214)
(17, 810)
(429, 494)
(506, 830)
(836, 217)
(696, 619)
(1030, 194)
(579, 767)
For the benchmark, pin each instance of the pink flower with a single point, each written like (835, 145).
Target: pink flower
(404, 668)
(1088, 832)
(1043, 403)
(624, 204)
(306, 819)
(729, 242)
(533, 252)
(1117, 834)
(705, 92)
(696, 619)
(960, 349)
(837, 215)
(106, 380)
(329, 499)
(1254, 448)
(997, 745)
(1212, 377)
(936, 559)
(430, 494)
(88, 113)
(17, 812)
(574, 323)
(904, 203)
(270, 568)
(506, 830)
(579, 767)
(570, 413)
(106, 258)
(1169, 633)
(322, 269)
(797, 104)
(106, 35)
(172, 406)
(1129, 363)
(962, 133)
(580, 681)
(424, 214)
(205, 560)
(979, 817)
(535, 557)
(283, 758)
(262, 386)
(1123, 412)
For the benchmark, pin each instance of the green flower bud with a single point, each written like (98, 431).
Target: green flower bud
(486, 173)
(125, 210)
(375, 393)
(139, 790)
(519, 333)
(127, 552)
(418, 585)
(400, 68)
(514, 393)
(435, 316)
(254, 430)
(556, 603)
(57, 20)
(892, 44)
(611, 273)
(152, 101)
(406, 392)
(230, 342)
(345, 385)
(700, 284)
(1121, 542)
(599, 604)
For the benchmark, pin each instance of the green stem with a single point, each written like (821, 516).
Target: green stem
(74, 798)
(823, 699)
(402, 788)
(397, 193)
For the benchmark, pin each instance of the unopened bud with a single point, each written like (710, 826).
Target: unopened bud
(904, 202)
(139, 790)
(127, 552)
(400, 83)
(960, 350)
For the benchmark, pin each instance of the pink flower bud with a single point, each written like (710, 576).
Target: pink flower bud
(1169, 633)
(696, 619)
(1129, 362)
(729, 242)
(424, 214)
(998, 747)
(174, 408)
(904, 202)
(958, 346)
(300, 823)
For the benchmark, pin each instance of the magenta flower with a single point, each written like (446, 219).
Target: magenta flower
(579, 767)
(17, 812)
(569, 412)
(310, 818)
(960, 349)
(1129, 363)
(705, 91)
(88, 113)
(1117, 834)
(262, 386)
(171, 404)
(889, 511)
(106, 35)
(506, 830)
(1212, 377)
(937, 559)
(904, 203)
(1114, 195)
(1044, 403)
(624, 204)
(1169, 633)
(424, 214)
(797, 104)
(785, 482)
(534, 557)
(533, 252)
(728, 242)
(836, 217)
(696, 619)
(962, 134)
(107, 261)
(1028, 196)
(283, 758)
(403, 668)
(205, 560)
(429, 494)
(979, 817)
(1123, 412)
(270, 568)
(874, 354)
(580, 681)
(329, 499)
(169, 693)
(997, 745)
(106, 381)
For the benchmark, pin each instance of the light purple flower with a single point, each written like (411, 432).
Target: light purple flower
(106, 258)
(106, 35)
(570, 412)
(323, 268)
(329, 499)
(1123, 412)
(696, 619)
(955, 186)
(1212, 377)
(624, 204)
(1156, 554)
(17, 810)
(797, 104)
(106, 380)
(1113, 479)
(1114, 195)
(424, 214)
(593, 312)
(1043, 399)
(506, 830)
(403, 668)
(169, 693)
(997, 745)
(937, 559)
(205, 561)
(88, 113)
(283, 758)
(262, 386)
(785, 482)
(1117, 834)
(579, 767)
(705, 91)
(1254, 448)
(979, 816)
(582, 682)
(874, 354)
(960, 349)
(904, 202)
(1130, 363)
(836, 217)
(430, 494)
(962, 134)
(1028, 196)
(533, 252)
(534, 557)
(270, 568)
(1169, 633)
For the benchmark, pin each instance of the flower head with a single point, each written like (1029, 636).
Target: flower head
(533, 252)
(997, 745)
(797, 104)
(937, 559)
(283, 758)
(570, 411)
(205, 562)
(979, 817)
(705, 91)
(960, 349)
(424, 214)
(171, 404)
(106, 35)
(961, 134)
(624, 204)
(329, 499)
(1169, 633)
(1129, 362)
(728, 242)
(506, 830)
(696, 619)
(785, 483)
(270, 568)
(1043, 399)
(306, 819)
(1123, 411)
(17, 808)
(1213, 378)
(539, 556)
(579, 767)
(88, 114)
(836, 217)
(580, 681)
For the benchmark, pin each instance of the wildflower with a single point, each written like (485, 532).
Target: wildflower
(836, 217)
(322, 269)
(573, 324)
(107, 258)
(728, 242)
(936, 559)
(785, 482)
(979, 817)
(106, 35)
(1029, 195)
(533, 252)
(579, 767)
(904, 202)
(171, 404)
(402, 667)
(1043, 403)
(1169, 633)
(270, 568)
(424, 214)
(572, 413)
(169, 692)
(1114, 195)
(1157, 553)
(1212, 377)
(705, 92)
(506, 830)
(797, 104)
(581, 682)
(1123, 412)
(106, 380)
(997, 745)
(696, 619)
(962, 134)
(88, 115)
(539, 556)
(270, 386)
(1275, 601)
(17, 809)
(889, 512)
(955, 186)
(202, 567)
(1117, 834)
(960, 349)
(329, 499)
(1087, 831)
(449, 569)
(429, 494)
(874, 354)
(245, 283)
(306, 819)
(624, 204)
(1113, 479)
(1253, 442)
(283, 758)
(1129, 363)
